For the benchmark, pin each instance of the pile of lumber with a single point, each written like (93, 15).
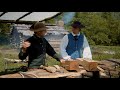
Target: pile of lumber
(90, 66)
(111, 67)
(79, 68)
(105, 68)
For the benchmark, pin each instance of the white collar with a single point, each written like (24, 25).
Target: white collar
(75, 34)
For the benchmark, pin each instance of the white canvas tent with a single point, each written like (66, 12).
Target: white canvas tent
(26, 17)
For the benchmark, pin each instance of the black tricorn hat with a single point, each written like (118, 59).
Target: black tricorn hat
(77, 24)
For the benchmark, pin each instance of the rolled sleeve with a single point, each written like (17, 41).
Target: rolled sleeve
(63, 45)
(86, 51)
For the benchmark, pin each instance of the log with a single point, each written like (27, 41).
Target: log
(103, 75)
(51, 69)
(57, 67)
(117, 61)
(70, 65)
(89, 65)
(88, 74)
(100, 69)
(12, 60)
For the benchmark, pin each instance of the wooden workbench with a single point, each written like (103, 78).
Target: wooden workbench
(108, 69)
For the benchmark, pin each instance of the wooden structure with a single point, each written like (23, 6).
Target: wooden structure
(26, 17)
(87, 69)
(41, 73)
(19, 33)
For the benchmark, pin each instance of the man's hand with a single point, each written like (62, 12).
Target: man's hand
(25, 45)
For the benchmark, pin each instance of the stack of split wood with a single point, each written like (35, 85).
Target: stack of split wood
(51, 69)
(90, 66)
(79, 68)
(111, 67)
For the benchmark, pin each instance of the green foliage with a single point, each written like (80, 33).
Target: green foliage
(4, 28)
(52, 21)
(101, 38)
(102, 28)
(4, 39)
(4, 33)
(117, 55)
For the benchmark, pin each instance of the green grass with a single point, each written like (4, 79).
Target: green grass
(114, 48)
(6, 47)
(51, 61)
(8, 52)
(97, 52)
(102, 56)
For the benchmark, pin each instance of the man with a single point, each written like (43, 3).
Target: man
(36, 47)
(75, 45)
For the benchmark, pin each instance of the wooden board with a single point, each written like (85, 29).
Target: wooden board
(89, 65)
(12, 60)
(70, 65)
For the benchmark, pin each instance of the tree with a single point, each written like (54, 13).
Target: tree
(103, 28)
(4, 33)
(4, 28)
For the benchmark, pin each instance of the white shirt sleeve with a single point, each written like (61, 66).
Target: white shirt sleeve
(63, 45)
(86, 50)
